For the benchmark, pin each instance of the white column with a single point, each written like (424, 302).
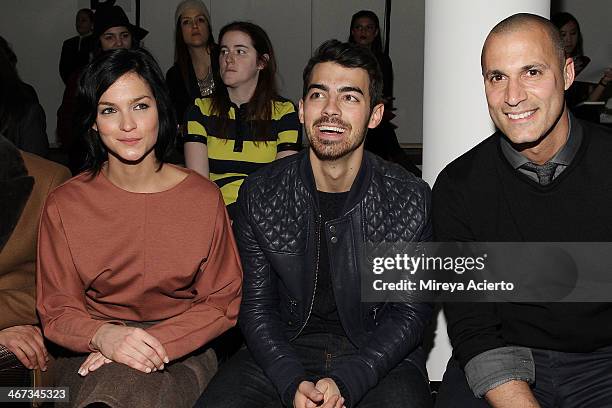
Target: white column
(455, 115)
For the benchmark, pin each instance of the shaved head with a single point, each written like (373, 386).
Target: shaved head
(521, 21)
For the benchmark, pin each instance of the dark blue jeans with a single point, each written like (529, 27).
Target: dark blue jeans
(563, 380)
(242, 383)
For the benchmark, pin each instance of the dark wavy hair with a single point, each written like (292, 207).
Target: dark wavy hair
(103, 71)
(377, 47)
(562, 18)
(259, 109)
(349, 55)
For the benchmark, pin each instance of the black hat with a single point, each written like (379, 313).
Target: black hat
(114, 16)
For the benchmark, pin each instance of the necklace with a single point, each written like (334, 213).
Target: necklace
(206, 84)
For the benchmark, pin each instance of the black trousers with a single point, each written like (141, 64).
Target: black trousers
(242, 383)
(563, 380)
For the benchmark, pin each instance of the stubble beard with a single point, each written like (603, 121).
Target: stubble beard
(328, 150)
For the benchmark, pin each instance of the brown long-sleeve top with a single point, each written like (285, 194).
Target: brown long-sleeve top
(109, 255)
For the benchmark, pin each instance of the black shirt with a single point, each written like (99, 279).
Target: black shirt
(324, 317)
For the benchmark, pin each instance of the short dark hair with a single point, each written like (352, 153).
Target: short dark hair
(348, 55)
(104, 71)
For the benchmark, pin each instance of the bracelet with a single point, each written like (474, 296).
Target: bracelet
(602, 84)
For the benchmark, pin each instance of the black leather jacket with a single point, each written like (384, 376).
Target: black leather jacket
(277, 230)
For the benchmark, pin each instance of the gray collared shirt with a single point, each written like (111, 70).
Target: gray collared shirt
(563, 158)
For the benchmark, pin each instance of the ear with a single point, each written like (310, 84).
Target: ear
(95, 126)
(301, 110)
(263, 61)
(376, 116)
(568, 72)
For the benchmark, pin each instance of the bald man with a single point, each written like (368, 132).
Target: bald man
(543, 176)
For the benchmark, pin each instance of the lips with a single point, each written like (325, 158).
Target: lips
(520, 115)
(330, 125)
(331, 129)
(130, 142)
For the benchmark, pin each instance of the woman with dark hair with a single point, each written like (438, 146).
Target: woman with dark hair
(572, 41)
(22, 119)
(365, 31)
(382, 140)
(130, 291)
(191, 76)
(245, 124)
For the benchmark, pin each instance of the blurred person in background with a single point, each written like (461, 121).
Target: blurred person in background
(365, 31)
(580, 91)
(195, 63)
(76, 51)
(22, 118)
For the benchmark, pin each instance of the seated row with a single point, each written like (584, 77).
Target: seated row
(138, 269)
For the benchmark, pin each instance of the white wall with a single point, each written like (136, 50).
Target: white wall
(36, 29)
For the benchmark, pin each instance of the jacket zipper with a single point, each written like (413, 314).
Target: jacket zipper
(314, 291)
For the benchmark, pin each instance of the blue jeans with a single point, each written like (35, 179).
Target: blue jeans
(242, 383)
(563, 380)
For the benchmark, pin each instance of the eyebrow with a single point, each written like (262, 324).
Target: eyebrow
(341, 89)
(138, 98)
(523, 69)
(532, 66)
(235, 46)
(350, 89)
(493, 72)
(318, 86)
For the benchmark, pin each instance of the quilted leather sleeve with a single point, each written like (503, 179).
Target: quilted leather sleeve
(259, 312)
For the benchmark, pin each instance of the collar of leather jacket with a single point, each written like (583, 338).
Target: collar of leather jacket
(358, 188)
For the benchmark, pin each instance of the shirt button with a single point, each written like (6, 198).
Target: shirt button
(332, 229)
(334, 240)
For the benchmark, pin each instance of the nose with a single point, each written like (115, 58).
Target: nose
(331, 107)
(515, 93)
(229, 58)
(127, 123)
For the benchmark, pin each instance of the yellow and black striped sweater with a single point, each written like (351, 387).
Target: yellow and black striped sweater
(232, 157)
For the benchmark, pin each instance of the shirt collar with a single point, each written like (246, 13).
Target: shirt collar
(564, 156)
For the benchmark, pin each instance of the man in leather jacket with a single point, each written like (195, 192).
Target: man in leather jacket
(302, 227)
